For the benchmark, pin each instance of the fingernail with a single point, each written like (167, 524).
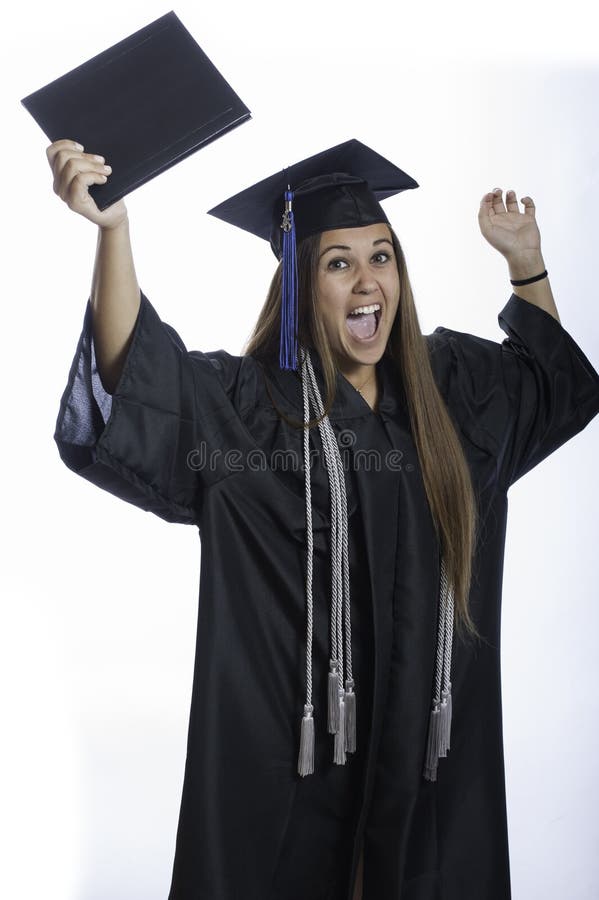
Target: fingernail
(99, 158)
(78, 146)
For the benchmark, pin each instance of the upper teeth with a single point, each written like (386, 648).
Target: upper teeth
(365, 309)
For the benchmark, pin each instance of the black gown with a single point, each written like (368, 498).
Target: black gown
(195, 438)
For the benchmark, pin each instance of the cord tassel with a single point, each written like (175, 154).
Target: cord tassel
(432, 750)
(443, 725)
(350, 716)
(439, 729)
(289, 302)
(305, 764)
(333, 708)
(339, 750)
(445, 722)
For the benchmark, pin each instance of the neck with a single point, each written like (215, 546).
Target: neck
(359, 375)
(363, 379)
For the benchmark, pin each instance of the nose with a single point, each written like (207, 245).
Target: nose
(365, 286)
(365, 282)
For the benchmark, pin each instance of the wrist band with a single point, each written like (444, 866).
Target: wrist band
(529, 280)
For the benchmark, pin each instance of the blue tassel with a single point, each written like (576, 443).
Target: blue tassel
(288, 344)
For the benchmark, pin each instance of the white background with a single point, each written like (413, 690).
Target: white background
(99, 599)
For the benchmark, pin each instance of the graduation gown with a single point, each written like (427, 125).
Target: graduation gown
(195, 437)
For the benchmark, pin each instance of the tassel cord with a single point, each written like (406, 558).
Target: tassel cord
(307, 737)
(336, 659)
(336, 532)
(338, 552)
(310, 546)
(332, 460)
(440, 717)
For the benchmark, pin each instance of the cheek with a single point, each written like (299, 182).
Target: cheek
(331, 303)
(393, 290)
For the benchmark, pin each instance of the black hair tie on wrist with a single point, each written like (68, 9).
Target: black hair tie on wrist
(529, 280)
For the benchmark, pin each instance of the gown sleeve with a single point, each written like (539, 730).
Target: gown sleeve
(522, 399)
(158, 440)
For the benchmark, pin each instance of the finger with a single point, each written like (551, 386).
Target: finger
(498, 205)
(529, 206)
(511, 201)
(62, 144)
(75, 164)
(64, 157)
(77, 189)
(486, 206)
(60, 152)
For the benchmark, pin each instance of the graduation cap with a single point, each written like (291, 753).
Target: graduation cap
(338, 188)
(145, 104)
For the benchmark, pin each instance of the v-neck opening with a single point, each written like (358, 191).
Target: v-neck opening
(348, 402)
(362, 398)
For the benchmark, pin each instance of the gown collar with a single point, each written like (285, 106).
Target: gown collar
(348, 402)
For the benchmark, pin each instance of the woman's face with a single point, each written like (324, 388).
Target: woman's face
(357, 269)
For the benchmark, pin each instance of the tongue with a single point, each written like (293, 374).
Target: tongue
(362, 326)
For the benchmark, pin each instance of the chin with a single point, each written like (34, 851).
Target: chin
(366, 356)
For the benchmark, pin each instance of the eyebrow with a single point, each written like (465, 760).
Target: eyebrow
(345, 247)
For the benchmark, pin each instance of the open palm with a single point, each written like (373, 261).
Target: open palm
(511, 232)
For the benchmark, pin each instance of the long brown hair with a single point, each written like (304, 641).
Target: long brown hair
(445, 471)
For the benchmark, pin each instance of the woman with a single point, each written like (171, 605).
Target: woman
(395, 498)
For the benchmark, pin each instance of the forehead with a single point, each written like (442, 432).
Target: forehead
(355, 238)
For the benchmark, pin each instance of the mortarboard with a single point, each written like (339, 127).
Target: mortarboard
(338, 188)
(145, 104)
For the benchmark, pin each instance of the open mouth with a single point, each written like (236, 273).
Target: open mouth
(363, 325)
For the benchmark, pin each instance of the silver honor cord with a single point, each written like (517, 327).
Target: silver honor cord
(439, 729)
(341, 716)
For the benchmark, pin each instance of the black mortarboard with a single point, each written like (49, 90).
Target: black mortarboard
(338, 188)
(145, 104)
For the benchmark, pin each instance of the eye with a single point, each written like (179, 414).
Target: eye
(381, 257)
(337, 264)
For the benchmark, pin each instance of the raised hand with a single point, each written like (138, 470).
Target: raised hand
(74, 171)
(513, 233)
